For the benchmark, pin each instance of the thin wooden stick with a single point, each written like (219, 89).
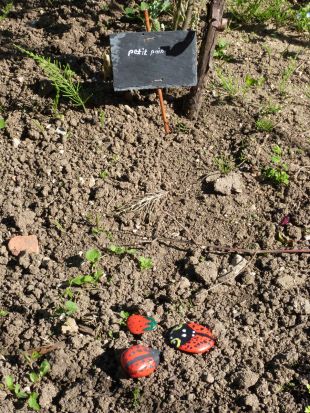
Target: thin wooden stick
(159, 91)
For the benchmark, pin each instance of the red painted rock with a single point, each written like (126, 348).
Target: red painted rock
(139, 324)
(140, 361)
(192, 338)
(21, 243)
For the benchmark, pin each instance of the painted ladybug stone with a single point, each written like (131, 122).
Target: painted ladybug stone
(140, 361)
(192, 338)
(138, 324)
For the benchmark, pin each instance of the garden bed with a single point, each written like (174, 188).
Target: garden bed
(110, 176)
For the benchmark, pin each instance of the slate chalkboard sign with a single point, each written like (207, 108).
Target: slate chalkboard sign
(152, 60)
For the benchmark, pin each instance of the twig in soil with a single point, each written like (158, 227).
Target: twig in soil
(184, 228)
(233, 273)
(224, 250)
(45, 349)
(147, 203)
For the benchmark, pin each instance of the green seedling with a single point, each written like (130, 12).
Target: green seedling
(228, 83)
(32, 358)
(155, 9)
(2, 123)
(264, 125)
(102, 118)
(276, 172)
(5, 11)
(220, 51)
(136, 397)
(116, 249)
(44, 368)
(250, 81)
(3, 313)
(270, 108)
(113, 334)
(93, 257)
(61, 77)
(145, 263)
(224, 164)
(181, 127)
(97, 227)
(59, 226)
(103, 174)
(124, 316)
(68, 309)
(33, 401)
(15, 388)
(287, 74)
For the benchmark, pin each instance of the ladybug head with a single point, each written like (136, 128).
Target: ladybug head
(180, 335)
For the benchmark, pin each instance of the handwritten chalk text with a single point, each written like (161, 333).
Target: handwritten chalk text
(145, 52)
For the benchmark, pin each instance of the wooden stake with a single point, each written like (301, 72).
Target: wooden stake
(159, 91)
(214, 24)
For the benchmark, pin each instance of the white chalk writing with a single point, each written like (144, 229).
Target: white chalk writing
(145, 52)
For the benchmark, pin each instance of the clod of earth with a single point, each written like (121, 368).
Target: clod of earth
(24, 243)
(192, 338)
(138, 324)
(140, 361)
(229, 184)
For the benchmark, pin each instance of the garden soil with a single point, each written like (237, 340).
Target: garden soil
(79, 180)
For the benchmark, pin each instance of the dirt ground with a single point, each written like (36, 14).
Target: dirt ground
(65, 179)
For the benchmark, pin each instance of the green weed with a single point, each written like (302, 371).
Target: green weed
(302, 19)
(102, 118)
(287, 74)
(59, 226)
(145, 263)
(224, 164)
(136, 397)
(5, 11)
(270, 108)
(220, 51)
(3, 313)
(2, 123)
(124, 316)
(103, 174)
(250, 81)
(264, 125)
(181, 127)
(61, 77)
(276, 172)
(228, 83)
(261, 11)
